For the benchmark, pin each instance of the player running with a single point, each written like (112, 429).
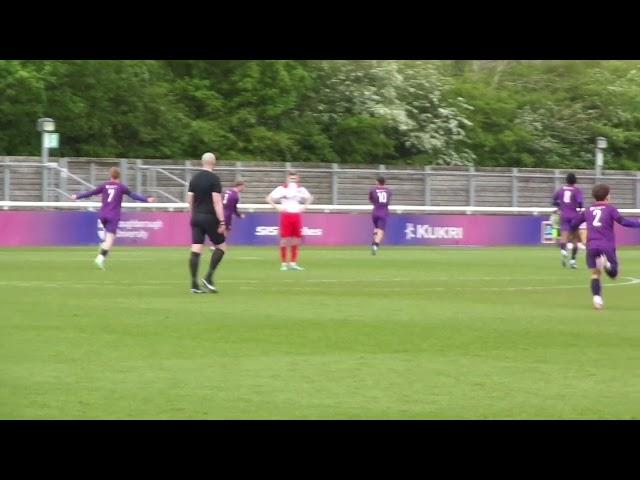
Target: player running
(601, 241)
(112, 193)
(380, 197)
(569, 200)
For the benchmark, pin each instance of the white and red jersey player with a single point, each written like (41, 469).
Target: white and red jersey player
(294, 199)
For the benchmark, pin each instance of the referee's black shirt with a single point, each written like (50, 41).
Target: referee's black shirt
(202, 185)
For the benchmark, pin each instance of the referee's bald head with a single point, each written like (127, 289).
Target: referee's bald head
(208, 160)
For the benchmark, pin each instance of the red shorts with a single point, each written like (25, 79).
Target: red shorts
(290, 225)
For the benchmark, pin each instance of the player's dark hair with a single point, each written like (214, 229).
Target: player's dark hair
(239, 183)
(571, 179)
(600, 192)
(380, 180)
(292, 172)
(114, 173)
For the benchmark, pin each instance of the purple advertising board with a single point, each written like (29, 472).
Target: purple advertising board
(51, 228)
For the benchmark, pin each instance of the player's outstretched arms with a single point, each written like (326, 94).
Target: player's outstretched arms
(141, 198)
(90, 193)
(625, 222)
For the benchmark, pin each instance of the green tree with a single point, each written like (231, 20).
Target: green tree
(406, 98)
(114, 108)
(22, 102)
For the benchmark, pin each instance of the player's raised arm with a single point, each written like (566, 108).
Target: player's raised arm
(625, 222)
(90, 193)
(141, 198)
(138, 197)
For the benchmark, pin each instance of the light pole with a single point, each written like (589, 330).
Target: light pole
(601, 144)
(45, 126)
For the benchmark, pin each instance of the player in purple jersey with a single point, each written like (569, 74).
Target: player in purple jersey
(601, 241)
(380, 197)
(230, 201)
(569, 200)
(112, 193)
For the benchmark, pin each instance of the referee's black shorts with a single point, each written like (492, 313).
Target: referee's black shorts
(204, 224)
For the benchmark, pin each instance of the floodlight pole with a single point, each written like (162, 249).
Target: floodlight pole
(601, 144)
(44, 126)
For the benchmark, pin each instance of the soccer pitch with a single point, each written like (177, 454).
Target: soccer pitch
(412, 333)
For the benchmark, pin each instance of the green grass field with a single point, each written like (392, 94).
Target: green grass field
(413, 333)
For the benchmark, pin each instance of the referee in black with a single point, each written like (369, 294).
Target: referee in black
(207, 219)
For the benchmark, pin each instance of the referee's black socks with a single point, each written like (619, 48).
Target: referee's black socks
(216, 258)
(194, 261)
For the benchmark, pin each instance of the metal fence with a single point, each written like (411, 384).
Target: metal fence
(26, 179)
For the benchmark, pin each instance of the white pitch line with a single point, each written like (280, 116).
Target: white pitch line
(151, 283)
(279, 280)
(631, 281)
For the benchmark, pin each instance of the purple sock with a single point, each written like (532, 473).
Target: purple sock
(595, 286)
